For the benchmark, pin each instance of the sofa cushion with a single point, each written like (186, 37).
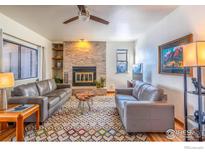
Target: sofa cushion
(125, 97)
(52, 84)
(137, 87)
(150, 93)
(52, 101)
(26, 90)
(57, 93)
(43, 87)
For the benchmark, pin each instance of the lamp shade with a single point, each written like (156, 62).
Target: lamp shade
(6, 80)
(194, 54)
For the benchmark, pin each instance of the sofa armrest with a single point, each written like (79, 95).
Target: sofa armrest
(62, 85)
(41, 100)
(129, 84)
(153, 116)
(126, 91)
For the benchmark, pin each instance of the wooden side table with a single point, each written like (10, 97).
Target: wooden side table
(19, 117)
(84, 97)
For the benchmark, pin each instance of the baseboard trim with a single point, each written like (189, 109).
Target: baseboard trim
(179, 122)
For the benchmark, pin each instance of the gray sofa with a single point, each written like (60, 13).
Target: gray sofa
(46, 93)
(143, 108)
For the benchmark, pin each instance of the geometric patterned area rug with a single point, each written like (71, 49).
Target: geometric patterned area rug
(101, 124)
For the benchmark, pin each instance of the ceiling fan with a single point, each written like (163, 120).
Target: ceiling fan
(84, 15)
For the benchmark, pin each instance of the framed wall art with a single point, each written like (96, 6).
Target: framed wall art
(171, 56)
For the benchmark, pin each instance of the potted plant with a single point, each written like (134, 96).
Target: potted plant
(100, 83)
(58, 80)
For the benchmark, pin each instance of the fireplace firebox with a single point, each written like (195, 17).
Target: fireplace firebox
(84, 75)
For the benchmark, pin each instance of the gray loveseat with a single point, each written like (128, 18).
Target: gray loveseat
(45, 93)
(144, 108)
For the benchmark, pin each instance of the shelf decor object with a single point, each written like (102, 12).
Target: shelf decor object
(194, 56)
(6, 81)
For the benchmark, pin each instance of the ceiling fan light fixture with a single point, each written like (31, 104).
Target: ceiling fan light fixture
(82, 40)
(84, 16)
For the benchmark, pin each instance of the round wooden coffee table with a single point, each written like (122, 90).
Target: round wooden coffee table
(85, 98)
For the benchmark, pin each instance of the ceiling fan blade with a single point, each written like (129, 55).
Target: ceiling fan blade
(97, 19)
(70, 20)
(82, 8)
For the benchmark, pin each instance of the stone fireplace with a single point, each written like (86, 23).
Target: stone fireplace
(84, 62)
(84, 75)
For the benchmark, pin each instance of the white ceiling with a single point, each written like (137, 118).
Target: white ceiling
(126, 22)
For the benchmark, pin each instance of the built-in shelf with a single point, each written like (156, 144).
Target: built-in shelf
(56, 68)
(55, 49)
(56, 58)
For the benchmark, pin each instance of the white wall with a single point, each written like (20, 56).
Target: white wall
(13, 28)
(184, 20)
(118, 80)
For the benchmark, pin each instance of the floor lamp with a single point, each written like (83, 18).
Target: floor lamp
(194, 56)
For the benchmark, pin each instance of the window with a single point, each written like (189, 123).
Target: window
(122, 60)
(20, 59)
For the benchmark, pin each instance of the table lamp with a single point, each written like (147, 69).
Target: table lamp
(194, 54)
(6, 81)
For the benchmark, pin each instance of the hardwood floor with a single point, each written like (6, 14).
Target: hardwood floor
(162, 137)
(8, 134)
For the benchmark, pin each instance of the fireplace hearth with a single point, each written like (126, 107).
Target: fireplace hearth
(84, 76)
